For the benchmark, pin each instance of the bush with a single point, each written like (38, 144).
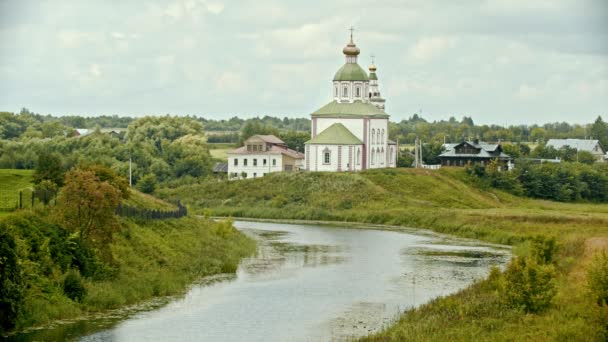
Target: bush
(73, 287)
(147, 184)
(597, 278)
(528, 285)
(11, 289)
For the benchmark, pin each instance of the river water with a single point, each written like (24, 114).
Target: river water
(307, 283)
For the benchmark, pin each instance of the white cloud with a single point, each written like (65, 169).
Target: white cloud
(215, 7)
(428, 48)
(95, 70)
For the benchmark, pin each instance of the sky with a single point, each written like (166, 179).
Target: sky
(499, 61)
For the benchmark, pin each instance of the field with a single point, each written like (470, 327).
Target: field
(442, 201)
(218, 151)
(11, 182)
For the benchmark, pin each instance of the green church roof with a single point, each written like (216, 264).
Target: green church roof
(372, 76)
(335, 134)
(350, 72)
(345, 110)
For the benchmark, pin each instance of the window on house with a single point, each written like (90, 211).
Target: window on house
(255, 147)
(245, 162)
(236, 162)
(274, 162)
(249, 148)
(254, 175)
(255, 162)
(264, 162)
(260, 147)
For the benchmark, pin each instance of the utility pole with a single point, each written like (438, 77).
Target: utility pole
(416, 153)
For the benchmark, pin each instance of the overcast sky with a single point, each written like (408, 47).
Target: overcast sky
(504, 61)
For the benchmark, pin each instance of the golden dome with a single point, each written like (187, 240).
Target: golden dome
(351, 49)
(372, 67)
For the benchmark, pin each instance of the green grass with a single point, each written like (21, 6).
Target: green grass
(220, 150)
(11, 182)
(442, 201)
(140, 200)
(156, 258)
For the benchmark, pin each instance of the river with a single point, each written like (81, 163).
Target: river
(307, 283)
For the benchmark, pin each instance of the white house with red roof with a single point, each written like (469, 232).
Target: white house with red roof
(262, 154)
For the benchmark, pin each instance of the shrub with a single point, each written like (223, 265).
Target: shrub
(597, 278)
(11, 289)
(73, 287)
(147, 184)
(528, 285)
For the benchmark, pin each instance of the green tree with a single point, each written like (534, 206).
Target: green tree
(586, 157)
(49, 167)
(147, 184)
(86, 205)
(599, 130)
(11, 285)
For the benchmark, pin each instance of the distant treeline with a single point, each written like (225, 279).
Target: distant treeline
(405, 132)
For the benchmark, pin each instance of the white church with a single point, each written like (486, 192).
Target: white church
(348, 134)
(351, 132)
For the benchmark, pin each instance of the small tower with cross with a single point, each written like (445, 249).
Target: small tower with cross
(374, 90)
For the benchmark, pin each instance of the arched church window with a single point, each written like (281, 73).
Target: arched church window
(336, 91)
(383, 136)
(378, 137)
(358, 92)
(345, 91)
(358, 157)
(326, 156)
(373, 135)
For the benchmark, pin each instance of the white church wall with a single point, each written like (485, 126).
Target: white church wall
(377, 142)
(347, 159)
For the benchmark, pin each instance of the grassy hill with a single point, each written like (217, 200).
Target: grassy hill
(11, 182)
(443, 201)
(440, 200)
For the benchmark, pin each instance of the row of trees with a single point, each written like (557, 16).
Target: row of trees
(164, 147)
(564, 182)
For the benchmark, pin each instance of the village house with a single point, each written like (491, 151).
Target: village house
(262, 154)
(473, 152)
(591, 146)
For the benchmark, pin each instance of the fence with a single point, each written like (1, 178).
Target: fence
(26, 199)
(151, 214)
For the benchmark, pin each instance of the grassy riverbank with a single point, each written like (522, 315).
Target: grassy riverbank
(144, 260)
(445, 202)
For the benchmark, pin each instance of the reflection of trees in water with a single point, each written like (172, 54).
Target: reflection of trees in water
(312, 255)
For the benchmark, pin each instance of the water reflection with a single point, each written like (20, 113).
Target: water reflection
(308, 283)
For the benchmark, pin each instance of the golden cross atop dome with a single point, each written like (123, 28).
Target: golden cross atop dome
(373, 58)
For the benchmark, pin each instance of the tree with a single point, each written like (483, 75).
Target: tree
(49, 167)
(295, 140)
(45, 191)
(147, 184)
(585, 157)
(599, 130)
(11, 287)
(86, 205)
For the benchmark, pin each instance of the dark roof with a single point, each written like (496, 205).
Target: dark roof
(220, 167)
(486, 151)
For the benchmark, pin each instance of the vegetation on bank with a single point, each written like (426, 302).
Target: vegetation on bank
(76, 256)
(545, 294)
